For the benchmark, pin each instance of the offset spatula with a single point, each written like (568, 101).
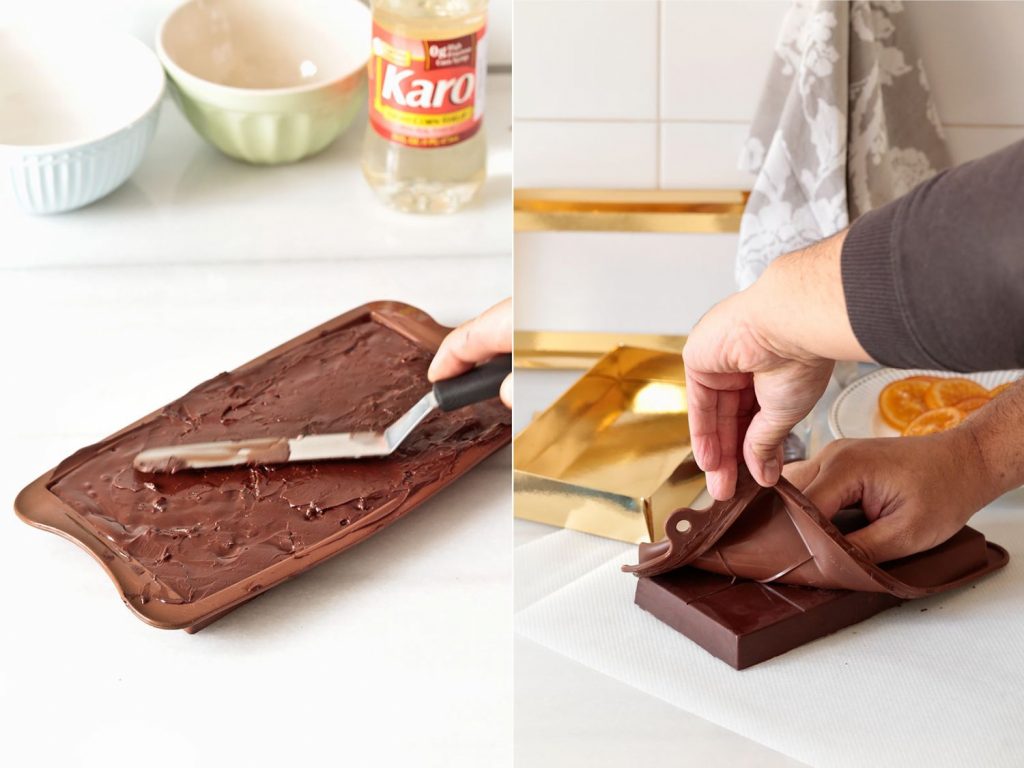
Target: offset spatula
(477, 385)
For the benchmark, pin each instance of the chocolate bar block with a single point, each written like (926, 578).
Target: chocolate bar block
(744, 622)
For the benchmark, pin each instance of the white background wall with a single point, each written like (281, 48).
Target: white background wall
(642, 93)
(141, 17)
(660, 93)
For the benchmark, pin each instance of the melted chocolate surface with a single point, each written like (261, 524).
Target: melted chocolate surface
(195, 532)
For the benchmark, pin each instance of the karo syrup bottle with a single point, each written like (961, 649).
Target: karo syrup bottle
(425, 150)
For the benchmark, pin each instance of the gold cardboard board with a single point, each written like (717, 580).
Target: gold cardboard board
(611, 456)
(629, 210)
(569, 350)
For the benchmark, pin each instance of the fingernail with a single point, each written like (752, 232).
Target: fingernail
(712, 484)
(771, 471)
(506, 391)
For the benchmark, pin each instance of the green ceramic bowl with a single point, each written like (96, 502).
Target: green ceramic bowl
(267, 81)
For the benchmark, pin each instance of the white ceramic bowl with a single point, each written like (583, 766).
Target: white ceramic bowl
(79, 113)
(267, 81)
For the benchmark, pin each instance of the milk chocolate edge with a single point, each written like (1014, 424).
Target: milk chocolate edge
(37, 506)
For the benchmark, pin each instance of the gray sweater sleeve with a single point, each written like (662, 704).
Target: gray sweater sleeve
(935, 279)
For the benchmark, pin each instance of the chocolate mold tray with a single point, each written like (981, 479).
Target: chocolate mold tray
(765, 572)
(185, 549)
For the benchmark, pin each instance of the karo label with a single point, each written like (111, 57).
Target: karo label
(426, 93)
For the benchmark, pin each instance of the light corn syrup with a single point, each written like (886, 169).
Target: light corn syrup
(425, 150)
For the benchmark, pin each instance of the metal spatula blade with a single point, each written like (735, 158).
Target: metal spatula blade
(481, 383)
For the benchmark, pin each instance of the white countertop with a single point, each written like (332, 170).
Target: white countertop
(189, 203)
(606, 721)
(569, 714)
(198, 265)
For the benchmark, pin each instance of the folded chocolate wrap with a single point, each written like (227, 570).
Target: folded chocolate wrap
(777, 535)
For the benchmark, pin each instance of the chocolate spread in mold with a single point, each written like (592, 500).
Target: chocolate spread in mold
(195, 532)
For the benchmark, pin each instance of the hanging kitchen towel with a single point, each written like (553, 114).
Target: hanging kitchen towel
(846, 123)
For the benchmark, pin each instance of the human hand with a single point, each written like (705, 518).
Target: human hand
(915, 491)
(744, 394)
(757, 363)
(476, 341)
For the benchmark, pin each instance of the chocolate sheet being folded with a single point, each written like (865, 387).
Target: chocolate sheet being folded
(184, 548)
(764, 572)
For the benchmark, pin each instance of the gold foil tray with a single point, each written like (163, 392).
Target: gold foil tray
(611, 456)
(581, 349)
(629, 210)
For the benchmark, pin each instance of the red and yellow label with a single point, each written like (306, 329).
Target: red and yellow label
(426, 93)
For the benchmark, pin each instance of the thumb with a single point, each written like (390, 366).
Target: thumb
(883, 540)
(475, 341)
(762, 446)
(506, 391)
(833, 488)
(802, 473)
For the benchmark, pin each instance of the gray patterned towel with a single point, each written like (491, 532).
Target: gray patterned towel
(846, 123)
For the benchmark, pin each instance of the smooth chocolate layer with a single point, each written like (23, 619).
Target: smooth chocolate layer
(745, 622)
(193, 533)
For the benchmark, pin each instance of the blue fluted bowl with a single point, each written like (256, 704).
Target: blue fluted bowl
(78, 118)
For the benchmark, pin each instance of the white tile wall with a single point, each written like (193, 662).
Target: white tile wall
(974, 57)
(706, 60)
(967, 142)
(702, 155)
(714, 56)
(629, 282)
(593, 60)
(587, 154)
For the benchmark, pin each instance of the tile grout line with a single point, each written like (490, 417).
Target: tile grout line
(721, 121)
(657, 94)
(633, 120)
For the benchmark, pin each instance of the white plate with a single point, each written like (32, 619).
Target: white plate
(855, 411)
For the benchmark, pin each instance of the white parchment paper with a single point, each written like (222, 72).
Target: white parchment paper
(936, 682)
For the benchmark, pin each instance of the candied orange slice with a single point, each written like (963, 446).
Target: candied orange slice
(922, 378)
(930, 422)
(1000, 389)
(971, 404)
(946, 392)
(903, 401)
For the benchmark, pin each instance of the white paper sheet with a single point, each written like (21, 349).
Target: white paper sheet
(550, 563)
(936, 682)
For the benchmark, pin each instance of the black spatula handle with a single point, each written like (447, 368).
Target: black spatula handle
(475, 386)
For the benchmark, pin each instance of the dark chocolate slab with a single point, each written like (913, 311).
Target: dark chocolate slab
(744, 622)
(186, 548)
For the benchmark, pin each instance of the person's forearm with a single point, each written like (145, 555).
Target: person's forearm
(935, 279)
(997, 434)
(799, 306)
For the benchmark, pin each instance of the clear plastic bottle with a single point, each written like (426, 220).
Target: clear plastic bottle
(425, 149)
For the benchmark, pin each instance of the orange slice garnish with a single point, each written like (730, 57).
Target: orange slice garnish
(930, 422)
(946, 392)
(1000, 389)
(903, 401)
(971, 404)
